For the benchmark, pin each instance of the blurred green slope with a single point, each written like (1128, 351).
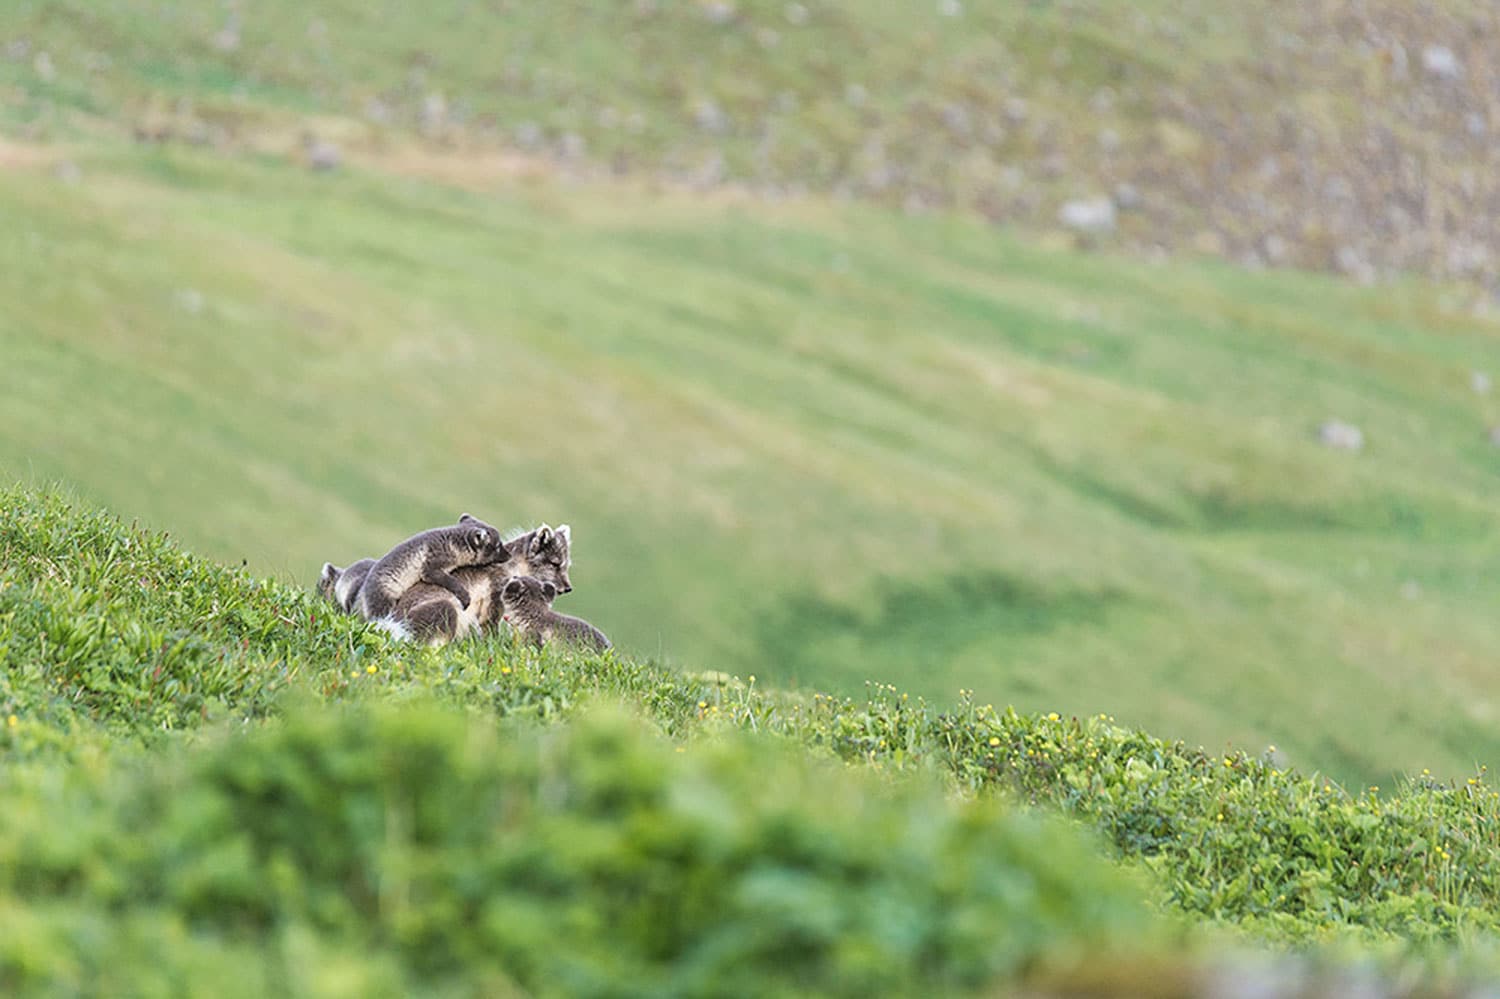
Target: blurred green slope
(821, 444)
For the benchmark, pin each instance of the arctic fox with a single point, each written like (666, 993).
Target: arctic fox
(526, 605)
(430, 557)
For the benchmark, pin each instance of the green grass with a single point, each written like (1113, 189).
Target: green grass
(208, 767)
(115, 637)
(820, 444)
(813, 440)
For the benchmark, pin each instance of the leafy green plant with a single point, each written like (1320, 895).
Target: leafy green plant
(586, 858)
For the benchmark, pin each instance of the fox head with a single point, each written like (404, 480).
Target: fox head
(483, 540)
(544, 555)
(328, 580)
(526, 593)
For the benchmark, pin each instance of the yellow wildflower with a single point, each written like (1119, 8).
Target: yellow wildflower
(1053, 716)
(371, 669)
(994, 740)
(12, 721)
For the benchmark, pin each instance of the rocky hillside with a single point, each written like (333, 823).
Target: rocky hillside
(1357, 137)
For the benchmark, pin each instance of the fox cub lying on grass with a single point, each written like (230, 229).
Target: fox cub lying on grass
(526, 604)
(430, 609)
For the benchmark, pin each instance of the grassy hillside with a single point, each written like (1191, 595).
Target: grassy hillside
(818, 444)
(207, 768)
(812, 440)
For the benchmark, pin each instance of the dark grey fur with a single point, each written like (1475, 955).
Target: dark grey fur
(342, 585)
(526, 604)
(430, 557)
(431, 614)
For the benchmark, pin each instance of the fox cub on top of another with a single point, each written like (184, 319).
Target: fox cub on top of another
(428, 612)
(430, 557)
(431, 614)
(526, 605)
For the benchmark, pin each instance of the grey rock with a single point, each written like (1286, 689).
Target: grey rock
(321, 154)
(528, 135)
(958, 120)
(1340, 436)
(190, 300)
(1127, 197)
(1250, 979)
(1338, 188)
(378, 111)
(1353, 263)
(710, 117)
(1440, 61)
(1466, 257)
(719, 11)
(434, 113)
(1088, 215)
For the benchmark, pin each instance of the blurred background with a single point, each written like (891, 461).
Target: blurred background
(1099, 358)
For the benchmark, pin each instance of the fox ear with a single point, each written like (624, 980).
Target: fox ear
(512, 589)
(549, 591)
(564, 532)
(542, 539)
(330, 571)
(465, 518)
